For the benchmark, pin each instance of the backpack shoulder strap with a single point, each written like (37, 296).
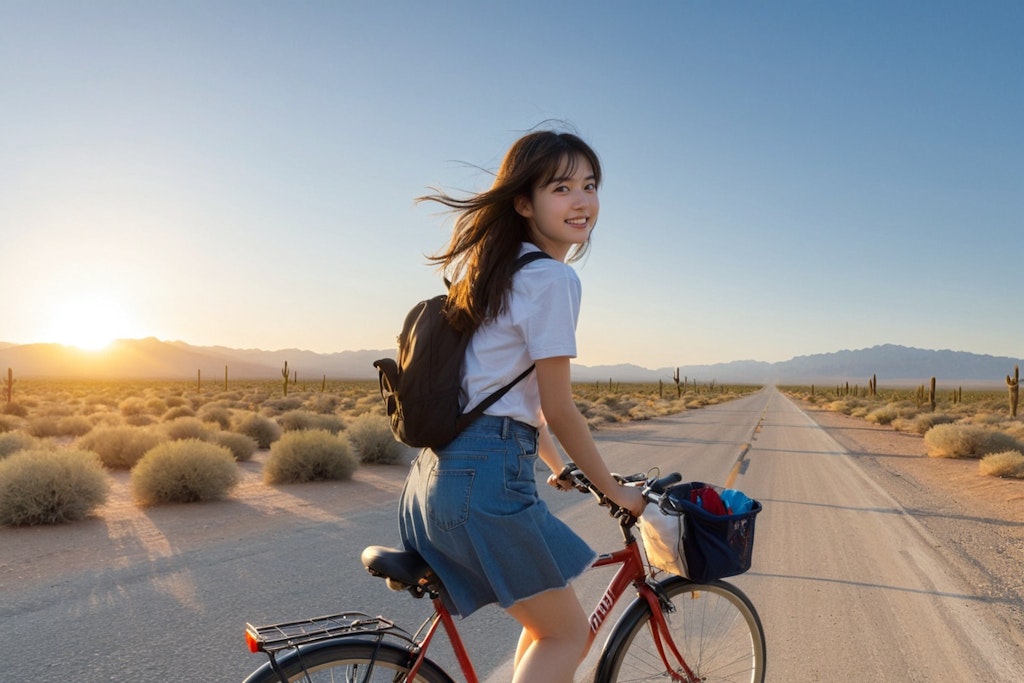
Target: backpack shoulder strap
(467, 418)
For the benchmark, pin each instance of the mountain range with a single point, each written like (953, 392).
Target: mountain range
(155, 359)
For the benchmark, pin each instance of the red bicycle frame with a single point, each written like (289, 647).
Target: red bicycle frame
(631, 572)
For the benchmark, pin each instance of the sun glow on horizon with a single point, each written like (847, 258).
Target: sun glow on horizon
(89, 321)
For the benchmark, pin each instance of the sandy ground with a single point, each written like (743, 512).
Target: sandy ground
(978, 521)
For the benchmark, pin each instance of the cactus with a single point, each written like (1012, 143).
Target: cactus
(199, 381)
(1014, 387)
(9, 384)
(284, 373)
(675, 378)
(931, 396)
(225, 378)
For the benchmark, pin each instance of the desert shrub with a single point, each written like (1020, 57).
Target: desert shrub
(1005, 464)
(178, 412)
(186, 471)
(42, 427)
(156, 406)
(186, 428)
(50, 486)
(133, 405)
(966, 441)
(119, 447)
(304, 419)
(215, 414)
(8, 423)
(921, 423)
(309, 455)
(15, 408)
(139, 420)
(12, 442)
(371, 437)
(241, 446)
(175, 401)
(277, 406)
(261, 429)
(74, 425)
(883, 415)
(324, 404)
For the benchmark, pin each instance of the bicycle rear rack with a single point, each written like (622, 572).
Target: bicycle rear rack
(272, 638)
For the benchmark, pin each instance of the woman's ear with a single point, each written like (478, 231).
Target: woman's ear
(523, 206)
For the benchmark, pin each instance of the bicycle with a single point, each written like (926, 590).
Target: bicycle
(675, 629)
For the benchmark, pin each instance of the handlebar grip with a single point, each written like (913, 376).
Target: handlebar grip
(659, 485)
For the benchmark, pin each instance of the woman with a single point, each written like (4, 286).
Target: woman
(471, 509)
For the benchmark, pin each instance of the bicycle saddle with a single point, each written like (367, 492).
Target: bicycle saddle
(403, 569)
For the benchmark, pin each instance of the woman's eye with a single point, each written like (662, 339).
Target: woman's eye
(591, 186)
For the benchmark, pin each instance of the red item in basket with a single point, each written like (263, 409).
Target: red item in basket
(708, 499)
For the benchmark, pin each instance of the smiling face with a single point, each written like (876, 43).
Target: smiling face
(562, 212)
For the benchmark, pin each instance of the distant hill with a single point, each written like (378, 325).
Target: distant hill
(154, 359)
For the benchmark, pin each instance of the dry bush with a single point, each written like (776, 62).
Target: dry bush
(139, 420)
(50, 486)
(966, 441)
(186, 471)
(177, 412)
(276, 406)
(186, 428)
(9, 423)
(372, 438)
(309, 455)
(261, 429)
(12, 442)
(215, 414)
(74, 425)
(883, 415)
(241, 446)
(304, 419)
(921, 423)
(1005, 464)
(15, 408)
(156, 406)
(598, 415)
(41, 427)
(119, 447)
(133, 405)
(325, 404)
(176, 401)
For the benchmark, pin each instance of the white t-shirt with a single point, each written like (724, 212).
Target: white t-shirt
(539, 322)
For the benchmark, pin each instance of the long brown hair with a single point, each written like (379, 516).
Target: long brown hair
(480, 258)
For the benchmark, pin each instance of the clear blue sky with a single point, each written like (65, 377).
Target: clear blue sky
(781, 178)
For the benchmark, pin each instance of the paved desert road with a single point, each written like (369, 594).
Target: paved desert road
(848, 586)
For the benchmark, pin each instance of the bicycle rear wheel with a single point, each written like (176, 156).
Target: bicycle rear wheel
(714, 626)
(348, 661)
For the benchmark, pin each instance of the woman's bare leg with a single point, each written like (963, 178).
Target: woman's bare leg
(554, 638)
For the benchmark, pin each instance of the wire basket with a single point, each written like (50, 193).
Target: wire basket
(681, 536)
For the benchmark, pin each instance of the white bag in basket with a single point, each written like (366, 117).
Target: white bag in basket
(663, 540)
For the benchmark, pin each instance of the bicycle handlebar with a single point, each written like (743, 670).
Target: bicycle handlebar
(651, 486)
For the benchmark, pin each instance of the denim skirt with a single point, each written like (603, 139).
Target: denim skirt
(472, 511)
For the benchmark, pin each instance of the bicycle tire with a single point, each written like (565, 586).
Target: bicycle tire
(349, 660)
(714, 625)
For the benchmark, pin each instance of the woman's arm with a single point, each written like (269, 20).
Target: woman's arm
(567, 423)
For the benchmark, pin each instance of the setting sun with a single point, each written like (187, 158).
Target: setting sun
(89, 322)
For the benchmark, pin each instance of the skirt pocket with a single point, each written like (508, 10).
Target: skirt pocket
(448, 496)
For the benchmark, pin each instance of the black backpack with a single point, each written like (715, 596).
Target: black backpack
(421, 390)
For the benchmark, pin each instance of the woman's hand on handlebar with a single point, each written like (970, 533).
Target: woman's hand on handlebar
(629, 498)
(560, 482)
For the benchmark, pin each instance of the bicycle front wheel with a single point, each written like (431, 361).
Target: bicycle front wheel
(348, 661)
(714, 627)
